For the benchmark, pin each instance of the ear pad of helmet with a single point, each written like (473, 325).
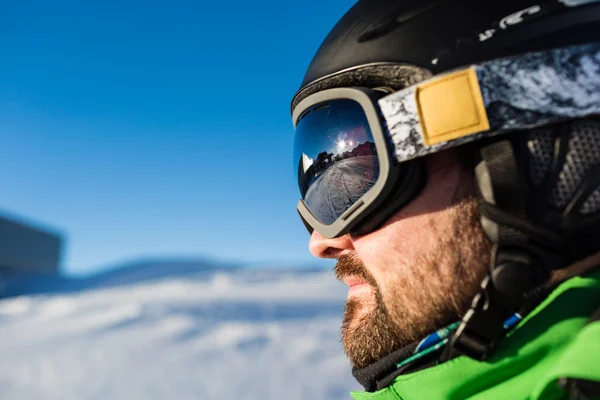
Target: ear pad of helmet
(553, 194)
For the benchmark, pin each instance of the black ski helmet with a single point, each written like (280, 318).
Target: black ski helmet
(375, 37)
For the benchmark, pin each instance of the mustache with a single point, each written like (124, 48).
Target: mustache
(350, 265)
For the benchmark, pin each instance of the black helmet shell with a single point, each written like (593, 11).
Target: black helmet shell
(437, 36)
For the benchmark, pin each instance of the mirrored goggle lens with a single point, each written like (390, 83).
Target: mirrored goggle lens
(335, 156)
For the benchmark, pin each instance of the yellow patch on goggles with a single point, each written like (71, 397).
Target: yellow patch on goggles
(451, 107)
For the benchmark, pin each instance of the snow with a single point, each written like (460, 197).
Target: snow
(340, 186)
(306, 162)
(215, 334)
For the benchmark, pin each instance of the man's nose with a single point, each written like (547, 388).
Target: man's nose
(322, 247)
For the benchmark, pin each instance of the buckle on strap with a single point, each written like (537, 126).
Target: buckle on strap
(514, 273)
(482, 326)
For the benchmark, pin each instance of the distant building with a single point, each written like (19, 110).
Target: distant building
(25, 248)
(365, 149)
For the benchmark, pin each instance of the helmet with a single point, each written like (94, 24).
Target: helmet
(395, 43)
(539, 184)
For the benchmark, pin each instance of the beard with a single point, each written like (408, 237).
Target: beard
(429, 295)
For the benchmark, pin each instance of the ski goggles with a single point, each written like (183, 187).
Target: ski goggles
(357, 152)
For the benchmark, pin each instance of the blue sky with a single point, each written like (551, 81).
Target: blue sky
(334, 129)
(157, 129)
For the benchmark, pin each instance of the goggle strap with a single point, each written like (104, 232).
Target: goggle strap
(496, 97)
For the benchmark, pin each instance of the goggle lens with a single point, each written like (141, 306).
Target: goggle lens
(335, 157)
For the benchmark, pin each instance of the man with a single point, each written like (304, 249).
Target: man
(448, 157)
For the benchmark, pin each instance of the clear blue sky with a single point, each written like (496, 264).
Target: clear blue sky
(158, 128)
(343, 126)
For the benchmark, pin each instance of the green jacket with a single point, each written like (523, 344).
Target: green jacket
(554, 341)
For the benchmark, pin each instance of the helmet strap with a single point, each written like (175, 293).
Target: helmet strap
(523, 255)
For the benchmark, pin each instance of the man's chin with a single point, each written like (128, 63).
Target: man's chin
(358, 316)
(367, 330)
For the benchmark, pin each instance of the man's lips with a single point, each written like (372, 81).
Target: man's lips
(352, 281)
(356, 285)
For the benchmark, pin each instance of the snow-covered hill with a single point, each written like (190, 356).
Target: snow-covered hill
(199, 333)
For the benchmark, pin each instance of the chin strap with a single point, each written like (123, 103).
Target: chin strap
(514, 273)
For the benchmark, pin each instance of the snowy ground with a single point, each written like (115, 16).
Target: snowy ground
(221, 334)
(340, 186)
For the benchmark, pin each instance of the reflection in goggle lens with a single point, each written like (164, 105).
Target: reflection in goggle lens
(335, 156)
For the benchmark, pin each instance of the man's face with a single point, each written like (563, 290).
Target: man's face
(418, 272)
